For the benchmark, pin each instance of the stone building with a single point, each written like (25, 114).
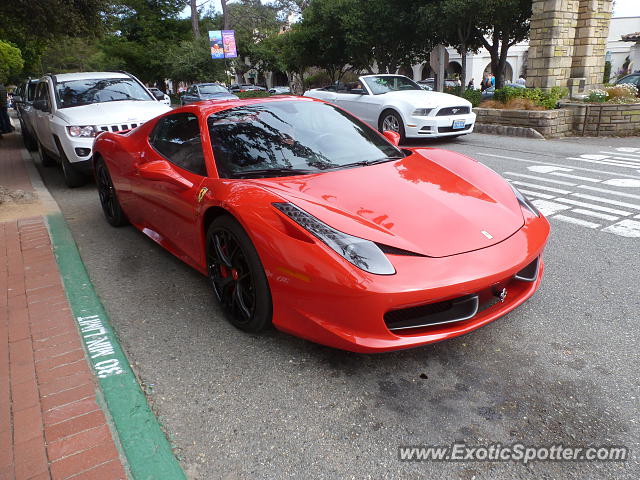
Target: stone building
(568, 43)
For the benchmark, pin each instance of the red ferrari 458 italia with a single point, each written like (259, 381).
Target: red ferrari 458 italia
(304, 217)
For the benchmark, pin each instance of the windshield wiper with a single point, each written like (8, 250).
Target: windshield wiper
(364, 163)
(273, 172)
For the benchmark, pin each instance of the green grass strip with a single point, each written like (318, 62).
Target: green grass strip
(148, 452)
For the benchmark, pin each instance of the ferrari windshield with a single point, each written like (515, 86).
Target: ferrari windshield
(74, 93)
(380, 84)
(208, 89)
(276, 139)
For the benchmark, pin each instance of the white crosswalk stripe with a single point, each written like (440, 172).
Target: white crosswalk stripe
(577, 221)
(534, 177)
(576, 177)
(541, 187)
(581, 202)
(593, 207)
(589, 213)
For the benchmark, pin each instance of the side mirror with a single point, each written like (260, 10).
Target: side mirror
(41, 105)
(161, 170)
(358, 91)
(158, 94)
(393, 137)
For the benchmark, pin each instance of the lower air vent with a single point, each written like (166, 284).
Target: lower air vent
(456, 310)
(530, 272)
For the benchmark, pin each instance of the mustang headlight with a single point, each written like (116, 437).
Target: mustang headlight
(422, 112)
(525, 202)
(362, 253)
(83, 131)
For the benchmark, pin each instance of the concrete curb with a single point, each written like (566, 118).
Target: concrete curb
(508, 130)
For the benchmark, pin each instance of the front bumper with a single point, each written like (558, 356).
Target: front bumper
(78, 150)
(350, 314)
(438, 126)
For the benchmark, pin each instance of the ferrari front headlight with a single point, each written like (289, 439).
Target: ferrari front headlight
(525, 202)
(362, 253)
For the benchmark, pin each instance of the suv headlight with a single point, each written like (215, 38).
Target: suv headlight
(362, 253)
(84, 131)
(422, 112)
(525, 202)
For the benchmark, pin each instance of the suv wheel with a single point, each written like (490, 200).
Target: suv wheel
(47, 160)
(72, 177)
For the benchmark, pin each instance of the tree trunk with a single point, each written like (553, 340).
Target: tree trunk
(195, 21)
(463, 55)
(225, 14)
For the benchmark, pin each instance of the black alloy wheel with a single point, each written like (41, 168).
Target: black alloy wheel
(108, 198)
(236, 275)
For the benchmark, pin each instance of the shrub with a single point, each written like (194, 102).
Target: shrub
(491, 104)
(522, 104)
(320, 79)
(474, 96)
(546, 99)
(622, 90)
(596, 96)
(622, 93)
(253, 94)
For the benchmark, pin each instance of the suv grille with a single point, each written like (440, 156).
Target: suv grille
(118, 128)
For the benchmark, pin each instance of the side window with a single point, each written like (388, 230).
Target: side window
(177, 138)
(42, 92)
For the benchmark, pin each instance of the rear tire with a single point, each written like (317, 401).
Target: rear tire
(29, 142)
(108, 197)
(237, 276)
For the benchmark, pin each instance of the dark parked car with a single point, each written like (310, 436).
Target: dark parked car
(633, 79)
(235, 88)
(206, 91)
(23, 105)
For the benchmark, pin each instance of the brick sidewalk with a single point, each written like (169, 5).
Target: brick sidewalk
(51, 426)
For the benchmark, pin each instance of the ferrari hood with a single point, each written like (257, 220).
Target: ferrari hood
(108, 113)
(437, 203)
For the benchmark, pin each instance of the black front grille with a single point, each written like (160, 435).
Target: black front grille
(451, 129)
(447, 111)
(438, 313)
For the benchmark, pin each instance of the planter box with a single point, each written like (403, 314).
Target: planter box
(569, 120)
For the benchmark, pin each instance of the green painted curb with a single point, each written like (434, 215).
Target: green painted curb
(148, 452)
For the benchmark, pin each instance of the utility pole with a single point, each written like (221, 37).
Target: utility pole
(225, 14)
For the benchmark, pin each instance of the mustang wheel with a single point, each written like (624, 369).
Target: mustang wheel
(108, 199)
(237, 276)
(390, 120)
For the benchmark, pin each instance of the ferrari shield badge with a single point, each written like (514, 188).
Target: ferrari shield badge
(203, 191)
(502, 294)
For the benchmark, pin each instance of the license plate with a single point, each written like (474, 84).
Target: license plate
(458, 124)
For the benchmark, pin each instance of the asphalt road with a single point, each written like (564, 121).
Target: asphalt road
(563, 368)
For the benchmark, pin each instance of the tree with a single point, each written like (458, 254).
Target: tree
(500, 25)
(195, 20)
(190, 61)
(10, 62)
(456, 24)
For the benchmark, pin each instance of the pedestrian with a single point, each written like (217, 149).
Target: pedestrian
(521, 80)
(470, 85)
(493, 80)
(5, 123)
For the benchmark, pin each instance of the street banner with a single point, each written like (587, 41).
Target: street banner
(229, 43)
(215, 41)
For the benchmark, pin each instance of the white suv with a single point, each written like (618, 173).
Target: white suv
(71, 109)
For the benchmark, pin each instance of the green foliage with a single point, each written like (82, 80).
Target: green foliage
(543, 98)
(596, 96)
(317, 80)
(253, 94)
(190, 61)
(474, 96)
(73, 54)
(11, 62)
(607, 72)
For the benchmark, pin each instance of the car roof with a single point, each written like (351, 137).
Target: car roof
(65, 77)
(208, 107)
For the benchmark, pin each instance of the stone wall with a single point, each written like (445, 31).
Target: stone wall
(568, 43)
(601, 119)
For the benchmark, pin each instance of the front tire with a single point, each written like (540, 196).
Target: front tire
(391, 120)
(108, 198)
(237, 276)
(72, 177)
(47, 160)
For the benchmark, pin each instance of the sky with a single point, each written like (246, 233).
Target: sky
(626, 8)
(621, 8)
